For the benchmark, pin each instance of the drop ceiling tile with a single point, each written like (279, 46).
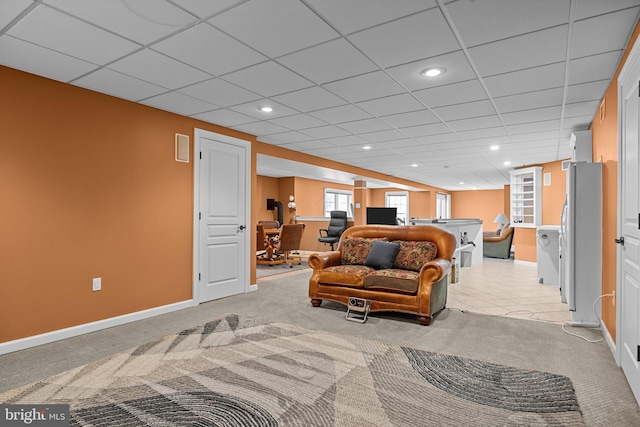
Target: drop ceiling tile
(334, 60)
(465, 110)
(206, 8)
(41, 61)
(298, 121)
(527, 137)
(587, 108)
(529, 101)
(365, 87)
(310, 99)
(482, 133)
(602, 33)
(131, 19)
(394, 104)
(587, 9)
(587, 91)
(260, 128)
(325, 132)
(309, 145)
(518, 53)
(480, 22)
(412, 118)
(455, 63)
(364, 126)
(11, 9)
(346, 141)
(592, 68)
(253, 109)
(529, 80)
(71, 36)
(224, 117)
(158, 69)
(209, 49)
(383, 135)
(456, 93)
(447, 138)
(285, 138)
(577, 123)
(268, 79)
(219, 92)
(119, 85)
(354, 15)
(475, 123)
(424, 130)
(547, 125)
(535, 115)
(341, 114)
(179, 103)
(403, 40)
(297, 27)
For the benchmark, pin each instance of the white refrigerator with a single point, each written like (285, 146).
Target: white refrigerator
(581, 243)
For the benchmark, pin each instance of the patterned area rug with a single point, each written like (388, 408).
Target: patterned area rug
(245, 372)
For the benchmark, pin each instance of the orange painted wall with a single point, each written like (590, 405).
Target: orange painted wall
(553, 195)
(605, 150)
(483, 204)
(266, 188)
(89, 188)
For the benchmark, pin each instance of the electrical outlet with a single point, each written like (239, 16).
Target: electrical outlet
(97, 283)
(613, 299)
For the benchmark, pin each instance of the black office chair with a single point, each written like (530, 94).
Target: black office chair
(337, 225)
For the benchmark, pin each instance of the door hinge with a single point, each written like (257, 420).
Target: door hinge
(639, 221)
(199, 276)
(199, 215)
(638, 355)
(201, 155)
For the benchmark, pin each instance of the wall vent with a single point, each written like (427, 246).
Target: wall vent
(565, 164)
(182, 148)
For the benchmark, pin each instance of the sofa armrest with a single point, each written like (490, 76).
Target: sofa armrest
(318, 261)
(434, 270)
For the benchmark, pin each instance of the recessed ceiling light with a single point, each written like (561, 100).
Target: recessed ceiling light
(415, 165)
(266, 109)
(366, 147)
(432, 72)
(461, 182)
(494, 147)
(507, 163)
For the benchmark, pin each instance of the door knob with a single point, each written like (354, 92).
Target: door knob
(620, 241)
(241, 227)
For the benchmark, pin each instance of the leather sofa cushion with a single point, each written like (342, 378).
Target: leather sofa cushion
(344, 275)
(354, 250)
(414, 254)
(393, 280)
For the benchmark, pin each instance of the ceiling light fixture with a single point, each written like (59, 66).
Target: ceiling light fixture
(494, 147)
(366, 147)
(432, 72)
(415, 165)
(507, 163)
(266, 109)
(461, 182)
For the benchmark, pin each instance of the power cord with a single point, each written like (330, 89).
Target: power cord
(597, 316)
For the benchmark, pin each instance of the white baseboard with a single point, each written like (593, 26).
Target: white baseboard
(35, 340)
(253, 287)
(529, 263)
(610, 342)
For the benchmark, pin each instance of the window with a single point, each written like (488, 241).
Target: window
(337, 200)
(400, 201)
(443, 205)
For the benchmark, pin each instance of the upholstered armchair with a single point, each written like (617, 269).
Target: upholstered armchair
(497, 244)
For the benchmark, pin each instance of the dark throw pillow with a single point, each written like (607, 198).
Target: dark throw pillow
(382, 254)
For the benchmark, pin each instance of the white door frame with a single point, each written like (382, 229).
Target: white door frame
(200, 133)
(632, 59)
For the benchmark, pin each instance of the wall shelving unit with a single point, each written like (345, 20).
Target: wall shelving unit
(526, 197)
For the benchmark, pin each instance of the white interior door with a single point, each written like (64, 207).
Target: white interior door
(221, 262)
(628, 294)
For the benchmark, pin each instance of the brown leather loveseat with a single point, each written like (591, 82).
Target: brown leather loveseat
(413, 281)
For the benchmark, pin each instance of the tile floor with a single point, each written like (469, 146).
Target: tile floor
(505, 288)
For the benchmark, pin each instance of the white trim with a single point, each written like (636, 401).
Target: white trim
(201, 133)
(73, 331)
(609, 340)
(529, 263)
(632, 59)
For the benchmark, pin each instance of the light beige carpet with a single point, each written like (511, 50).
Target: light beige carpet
(238, 371)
